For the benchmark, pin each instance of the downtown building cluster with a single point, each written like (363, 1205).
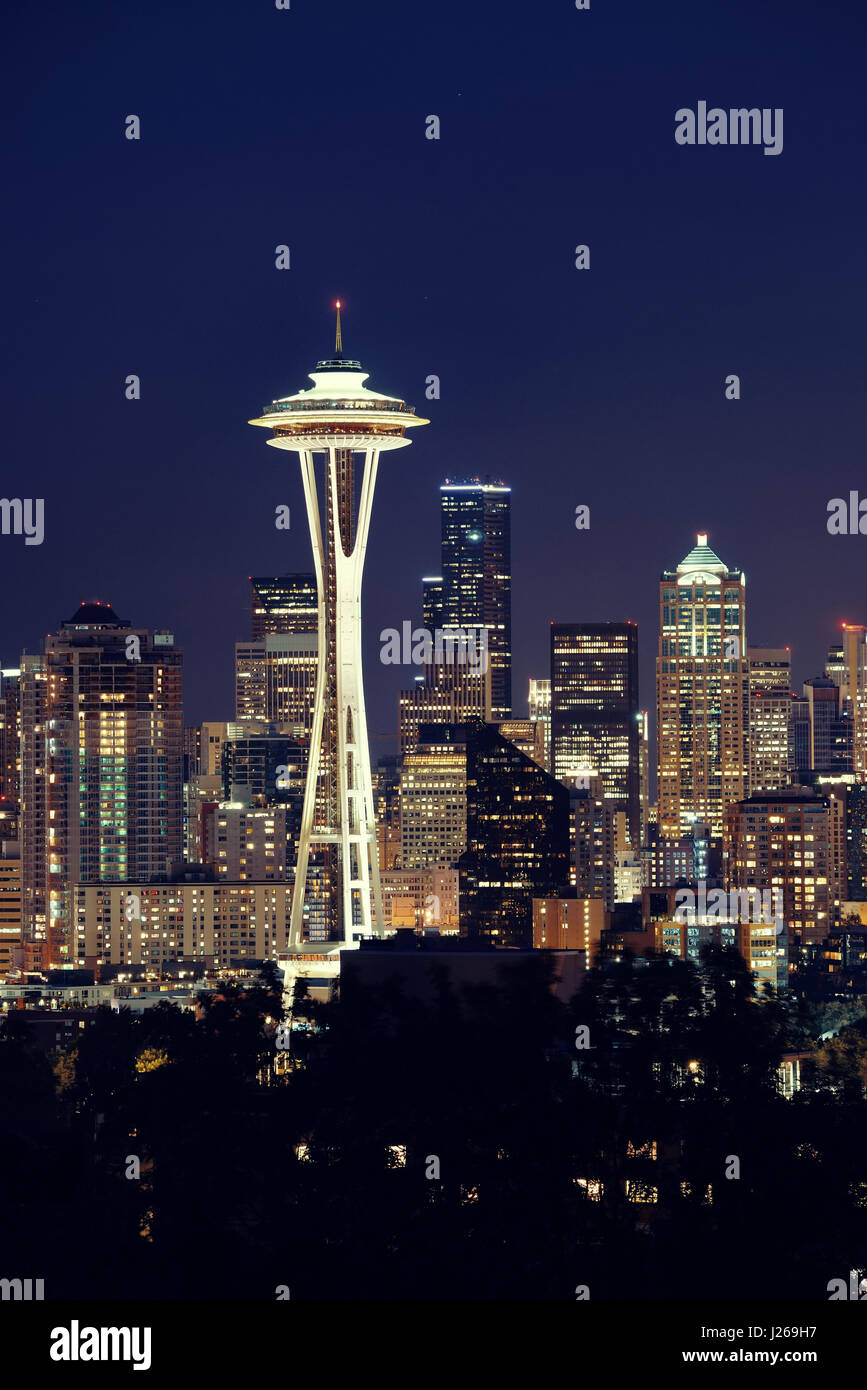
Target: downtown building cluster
(131, 842)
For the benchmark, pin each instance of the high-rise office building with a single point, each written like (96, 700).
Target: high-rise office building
(283, 603)
(102, 766)
(517, 837)
(595, 718)
(592, 839)
(854, 688)
(821, 728)
(262, 767)
(471, 798)
(702, 682)
(432, 601)
(771, 751)
(341, 418)
(433, 800)
(475, 588)
(856, 842)
(275, 680)
(447, 693)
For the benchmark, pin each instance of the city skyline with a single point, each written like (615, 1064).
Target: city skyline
(434, 876)
(805, 668)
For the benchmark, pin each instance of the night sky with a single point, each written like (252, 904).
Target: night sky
(307, 127)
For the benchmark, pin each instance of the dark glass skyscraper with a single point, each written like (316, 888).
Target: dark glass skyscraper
(595, 716)
(822, 730)
(517, 832)
(475, 586)
(262, 767)
(856, 842)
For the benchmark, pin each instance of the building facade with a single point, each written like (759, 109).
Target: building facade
(771, 747)
(595, 716)
(476, 580)
(151, 924)
(702, 681)
(283, 603)
(517, 837)
(792, 843)
(102, 766)
(275, 680)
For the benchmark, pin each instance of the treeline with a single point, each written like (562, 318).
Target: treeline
(493, 1145)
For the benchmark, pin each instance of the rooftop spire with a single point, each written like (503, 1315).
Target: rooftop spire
(338, 338)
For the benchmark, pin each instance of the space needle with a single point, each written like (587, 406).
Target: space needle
(340, 418)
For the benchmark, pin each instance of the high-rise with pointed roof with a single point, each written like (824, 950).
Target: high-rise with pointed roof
(702, 685)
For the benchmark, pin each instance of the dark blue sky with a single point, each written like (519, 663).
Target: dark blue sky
(456, 257)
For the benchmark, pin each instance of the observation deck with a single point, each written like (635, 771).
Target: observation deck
(338, 411)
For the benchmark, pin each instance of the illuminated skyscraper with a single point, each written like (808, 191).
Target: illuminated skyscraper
(102, 766)
(595, 718)
(517, 831)
(702, 689)
(283, 603)
(275, 679)
(340, 418)
(447, 693)
(432, 601)
(433, 801)
(476, 583)
(771, 751)
(854, 688)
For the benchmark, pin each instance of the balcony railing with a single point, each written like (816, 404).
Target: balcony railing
(293, 406)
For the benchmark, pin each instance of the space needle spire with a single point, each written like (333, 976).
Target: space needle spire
(349, 426)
